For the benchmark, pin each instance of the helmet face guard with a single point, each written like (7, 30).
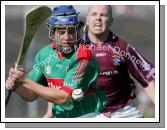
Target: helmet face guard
(71, 30)
(64, 19)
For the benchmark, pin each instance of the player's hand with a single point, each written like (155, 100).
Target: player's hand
(15, 78)
(48, 115)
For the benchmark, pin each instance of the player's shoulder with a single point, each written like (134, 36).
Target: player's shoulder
(45, 48)
(119, 41)
(84, 53)
(44, 52)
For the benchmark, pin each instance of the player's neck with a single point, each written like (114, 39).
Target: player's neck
(98, 39)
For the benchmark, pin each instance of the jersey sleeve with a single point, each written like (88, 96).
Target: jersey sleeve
(75, 75)
(78, 75)
(141, 69)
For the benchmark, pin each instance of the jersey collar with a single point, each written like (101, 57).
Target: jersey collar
(111, 38)
(60, 55)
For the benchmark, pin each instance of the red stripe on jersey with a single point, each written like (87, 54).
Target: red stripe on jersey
(84, 53)
(54, 82)
(60, 55)
(77, 70)
(58, 83)
(54, 45)
(83, 69)
(67, 89)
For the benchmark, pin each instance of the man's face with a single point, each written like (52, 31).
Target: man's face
(98, 19)
(65, 36)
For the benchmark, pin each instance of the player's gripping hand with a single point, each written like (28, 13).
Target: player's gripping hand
(15, 78)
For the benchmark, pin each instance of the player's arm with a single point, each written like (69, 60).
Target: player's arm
(27, 88)
(63, 95)
(150, 90)
(13, 83)
(142, 70)
(50, 94)
(48, 113)
(53, 95)
(26, 94)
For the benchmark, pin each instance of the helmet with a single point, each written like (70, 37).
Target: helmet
(64, 15)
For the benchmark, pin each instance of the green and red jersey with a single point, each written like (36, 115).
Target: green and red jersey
(69, 72)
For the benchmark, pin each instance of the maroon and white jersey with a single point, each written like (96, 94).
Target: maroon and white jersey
(118, 60)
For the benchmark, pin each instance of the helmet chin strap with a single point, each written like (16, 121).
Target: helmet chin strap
(65, 50)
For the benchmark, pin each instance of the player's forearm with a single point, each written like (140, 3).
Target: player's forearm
(26, 94)
(50, 94)
(150, 90)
